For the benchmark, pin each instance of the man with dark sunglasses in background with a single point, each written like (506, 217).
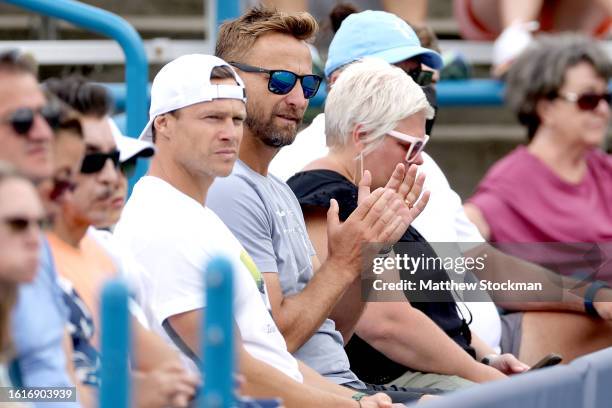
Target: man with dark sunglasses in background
(26, 138)
(130, 150)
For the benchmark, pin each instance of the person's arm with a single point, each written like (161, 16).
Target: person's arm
(349, 308)
(261, 379)
(150, 350)
(300, 315)
(478, 219)
(568, 292)
(505, 363)
(158, 375)
(407, 336)
(85, 395)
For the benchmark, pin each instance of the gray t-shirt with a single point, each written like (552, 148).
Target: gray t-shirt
(265, 216)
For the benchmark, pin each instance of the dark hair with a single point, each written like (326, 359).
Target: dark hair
(81, 95)
(539, 72)
(70, 122)
(236, 37)
(14, 61)
(339, 13)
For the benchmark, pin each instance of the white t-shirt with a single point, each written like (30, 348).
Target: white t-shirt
(443, 220)
(173, 237)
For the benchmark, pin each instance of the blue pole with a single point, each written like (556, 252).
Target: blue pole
(218, 336)
(114, 389)
(226, 10)
(110, 25)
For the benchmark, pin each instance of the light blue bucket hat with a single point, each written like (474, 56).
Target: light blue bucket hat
(377, 34)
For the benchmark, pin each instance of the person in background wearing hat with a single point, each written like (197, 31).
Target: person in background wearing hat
(366, 34)
(444, 221)
(196, 122)
(375, 34)
(84, 265)
(130, 150)
(386, 36)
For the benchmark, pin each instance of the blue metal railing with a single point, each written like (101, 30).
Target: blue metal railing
(110, 25)
(218, 336)
(470, 92)
(115, 346)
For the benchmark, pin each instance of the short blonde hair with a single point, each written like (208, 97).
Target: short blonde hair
(236, 37)
(374, 94)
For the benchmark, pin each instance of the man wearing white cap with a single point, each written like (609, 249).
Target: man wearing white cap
(85, 260)
(196, 118)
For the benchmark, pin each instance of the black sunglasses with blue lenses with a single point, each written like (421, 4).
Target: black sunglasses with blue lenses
(95, 162)
(281, 82)
(22, 119)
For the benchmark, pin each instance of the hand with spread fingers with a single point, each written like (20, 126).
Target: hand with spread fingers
(409, 188)
(378, 218)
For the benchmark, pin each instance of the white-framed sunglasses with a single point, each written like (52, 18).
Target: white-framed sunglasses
(416, 144)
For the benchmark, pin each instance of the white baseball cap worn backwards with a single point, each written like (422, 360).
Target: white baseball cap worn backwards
(185, 81)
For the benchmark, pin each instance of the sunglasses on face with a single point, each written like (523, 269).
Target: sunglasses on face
(128, 167)
(61, 187)
(22, 119)
(19, 224)
(95, 162)
(416, 144)
(587, 101)
(420, 77)
(281, 82)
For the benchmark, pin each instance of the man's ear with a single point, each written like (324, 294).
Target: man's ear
(161, 124)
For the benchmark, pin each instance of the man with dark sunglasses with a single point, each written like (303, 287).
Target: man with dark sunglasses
(26, 138)
(263, 212)
(196, 123)
(25, 121)
(131, 150)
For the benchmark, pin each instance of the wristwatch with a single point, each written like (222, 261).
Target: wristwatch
(486, 360)
(359, 395)
(589, 308)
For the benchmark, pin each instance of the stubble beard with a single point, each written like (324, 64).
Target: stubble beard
(269, 133)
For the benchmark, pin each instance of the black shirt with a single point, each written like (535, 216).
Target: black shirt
(314, 189)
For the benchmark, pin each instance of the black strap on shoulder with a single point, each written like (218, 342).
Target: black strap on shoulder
(178, 341)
